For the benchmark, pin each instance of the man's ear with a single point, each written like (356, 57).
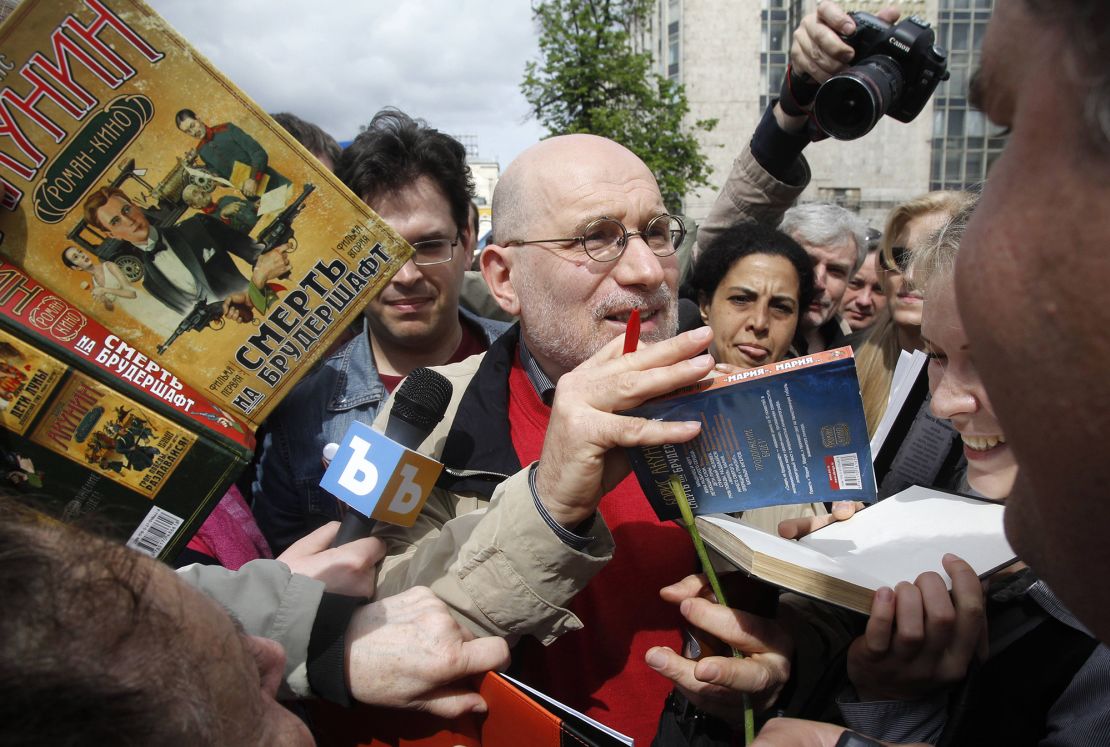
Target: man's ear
(703, 307)
(497, 264)
(468, 242)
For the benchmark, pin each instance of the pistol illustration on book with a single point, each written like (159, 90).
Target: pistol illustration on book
(202, 316)
(280, 230)
(278, 233)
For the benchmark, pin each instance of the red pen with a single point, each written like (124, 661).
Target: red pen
(632, 332)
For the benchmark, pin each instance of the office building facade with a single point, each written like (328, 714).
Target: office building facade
(731, 56)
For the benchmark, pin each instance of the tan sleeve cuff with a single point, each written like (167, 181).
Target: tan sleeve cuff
(271, 602)
(519, 573)
(750, 194)
(756, 194)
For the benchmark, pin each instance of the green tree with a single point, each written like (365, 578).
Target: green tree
(590, 80)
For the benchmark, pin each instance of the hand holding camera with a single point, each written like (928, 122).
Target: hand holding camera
(818, 49)
(895, 68)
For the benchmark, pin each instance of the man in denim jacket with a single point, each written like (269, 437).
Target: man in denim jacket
(416, 179)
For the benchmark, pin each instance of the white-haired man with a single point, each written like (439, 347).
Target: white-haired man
(836, 241)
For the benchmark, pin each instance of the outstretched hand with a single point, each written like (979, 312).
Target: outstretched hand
(818, 49)
(717, 684)
(348, 569)
(797, 528)
(272, 265)
(238, 308)
(406, 651)
(580, 461)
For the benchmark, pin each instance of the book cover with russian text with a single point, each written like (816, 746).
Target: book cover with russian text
(787, 432)
(89, 452)
(149, 192)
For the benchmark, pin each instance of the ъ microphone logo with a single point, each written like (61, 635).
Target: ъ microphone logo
(379, 478)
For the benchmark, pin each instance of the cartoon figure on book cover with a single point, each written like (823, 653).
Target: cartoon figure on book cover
(12, 378)
(125, 437)
(232, 154)
(233, 211)
(101, 429)
(189, 262)
(110, 287)
(109, 284)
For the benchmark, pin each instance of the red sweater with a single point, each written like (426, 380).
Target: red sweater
(600, 669)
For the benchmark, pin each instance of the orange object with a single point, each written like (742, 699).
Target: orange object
(514, 719)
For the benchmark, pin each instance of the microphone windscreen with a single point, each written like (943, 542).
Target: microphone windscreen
(422, 399)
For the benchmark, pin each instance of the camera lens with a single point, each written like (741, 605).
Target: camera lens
(849, 104)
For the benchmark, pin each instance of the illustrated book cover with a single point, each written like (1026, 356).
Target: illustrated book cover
(172, 262)
(94, 432)
(158, 199)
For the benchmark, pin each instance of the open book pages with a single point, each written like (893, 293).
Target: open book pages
(894, 540)
(901, 384)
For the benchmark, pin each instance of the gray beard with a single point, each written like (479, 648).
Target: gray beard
(551, 338)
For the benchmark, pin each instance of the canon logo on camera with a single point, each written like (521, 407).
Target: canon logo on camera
(901, 45)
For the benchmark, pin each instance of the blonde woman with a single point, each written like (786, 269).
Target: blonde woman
(909, 225)
(926, 668)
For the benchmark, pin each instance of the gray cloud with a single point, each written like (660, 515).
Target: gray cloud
(456, 63)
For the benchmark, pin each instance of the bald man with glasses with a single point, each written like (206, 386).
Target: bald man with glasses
(536, 529)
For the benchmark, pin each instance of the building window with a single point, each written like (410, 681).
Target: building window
(674, 38)
(964, 143)
(659, 40)
(779, 18)
(845, 197)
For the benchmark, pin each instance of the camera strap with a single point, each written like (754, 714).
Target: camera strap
(796, 99)
(797, 93)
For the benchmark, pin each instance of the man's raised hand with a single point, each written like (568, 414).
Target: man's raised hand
(581, 460)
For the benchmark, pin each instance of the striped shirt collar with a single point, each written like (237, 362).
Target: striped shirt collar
(541, 382)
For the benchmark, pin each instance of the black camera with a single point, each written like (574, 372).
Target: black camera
(895, 71)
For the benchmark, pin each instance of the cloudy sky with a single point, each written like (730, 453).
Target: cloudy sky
(456, 63)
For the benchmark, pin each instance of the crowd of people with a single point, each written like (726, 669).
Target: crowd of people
(537, 551)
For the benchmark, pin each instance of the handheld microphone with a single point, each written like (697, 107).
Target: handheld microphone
(418, 407)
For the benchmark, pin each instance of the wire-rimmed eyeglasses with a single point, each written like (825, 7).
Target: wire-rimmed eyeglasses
(434, 251)
(605, 239)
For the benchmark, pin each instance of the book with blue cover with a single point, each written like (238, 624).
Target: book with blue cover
(787, 432)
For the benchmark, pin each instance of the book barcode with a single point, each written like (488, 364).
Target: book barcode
(155, 532)
(847, 472)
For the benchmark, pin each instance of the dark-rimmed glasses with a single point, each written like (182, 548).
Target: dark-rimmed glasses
(434, 251)
(605, 239)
